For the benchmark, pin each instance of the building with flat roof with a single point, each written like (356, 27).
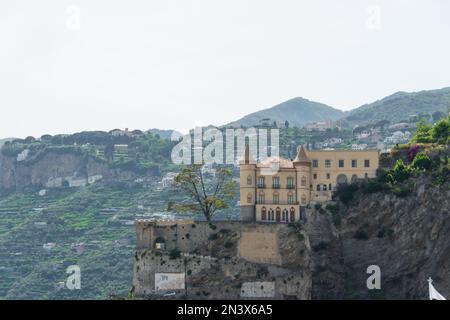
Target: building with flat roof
(282, 195)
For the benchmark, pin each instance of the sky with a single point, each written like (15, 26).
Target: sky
(74, 65)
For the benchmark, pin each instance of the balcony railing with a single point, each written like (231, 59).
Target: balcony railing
(285, 203)
(261, 185)
(275, 186)
(290, 186)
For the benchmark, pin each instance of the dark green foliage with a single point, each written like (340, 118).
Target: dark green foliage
(345, 192)
(421, 161)
(401, 172)
(213, 237)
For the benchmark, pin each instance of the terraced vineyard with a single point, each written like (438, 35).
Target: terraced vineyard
(92, 227)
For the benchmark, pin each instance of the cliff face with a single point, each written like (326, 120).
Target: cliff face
(322, 258)
(226, 261)
(54, 170)
(407, 237)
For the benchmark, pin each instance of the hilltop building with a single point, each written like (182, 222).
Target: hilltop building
(310, 178)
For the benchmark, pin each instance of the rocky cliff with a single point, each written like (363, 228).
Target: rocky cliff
(324, 257)
(56, 169)
(407, 237)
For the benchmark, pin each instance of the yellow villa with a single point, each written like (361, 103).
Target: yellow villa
(283, 195)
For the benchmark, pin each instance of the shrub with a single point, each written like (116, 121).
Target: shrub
(401, 192)
(441, 131)
(346, 192)
(401, 172)
(421, 161)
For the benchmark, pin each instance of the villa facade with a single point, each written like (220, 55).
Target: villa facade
(282, 195)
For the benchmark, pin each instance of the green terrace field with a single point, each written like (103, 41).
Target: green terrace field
(90, 227)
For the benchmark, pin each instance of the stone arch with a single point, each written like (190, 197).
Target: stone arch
(341, 179)
(354, 178)
(292, 214)
(263, 213)
(160, 243)
(278, 214)
(285, 215)
(271, 215)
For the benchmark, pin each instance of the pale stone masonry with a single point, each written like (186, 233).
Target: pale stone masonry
(311, 177)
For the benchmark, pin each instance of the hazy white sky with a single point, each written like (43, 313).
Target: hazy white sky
(177, 64)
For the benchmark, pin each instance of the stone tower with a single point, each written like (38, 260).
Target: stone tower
(248, 186)
(302, 165)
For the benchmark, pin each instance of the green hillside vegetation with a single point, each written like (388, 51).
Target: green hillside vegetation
(410, 160)
(297, 112)
(147, 153)
(401, 107)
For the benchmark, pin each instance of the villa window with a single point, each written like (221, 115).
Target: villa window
(292, 214)
(276, 182)
(315, 176)
(366, 163)
(271, 215)
(318, 187)
(328, 176)
(249, 180)
(285, 215)
(263, 213)
(324, 187)
(261, 182)
(290, 198)
(261, 197)
(276, 198)
(354, 163)
(315, 163)
(278, 214)
(290, 183)
(327, 163)
(341, 163)
(329, 187)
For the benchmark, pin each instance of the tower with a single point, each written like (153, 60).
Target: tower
(302, 165)
(247, 186)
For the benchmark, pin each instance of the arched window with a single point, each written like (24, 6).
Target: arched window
(249, 198)
(263, 213)
(341, 179)
(271, 214)
(276, 198)
(249, 180)
(303, 199)
(261, 198)
(303, 181)
(324, 187)
(290, 197)
(292, 211)
(318, 187)
(285, 215)
(160, 243)
(278, 214)
(354, 178)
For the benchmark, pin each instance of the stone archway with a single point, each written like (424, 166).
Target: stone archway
(341, 179)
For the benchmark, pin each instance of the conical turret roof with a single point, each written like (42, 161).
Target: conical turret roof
(301, 156)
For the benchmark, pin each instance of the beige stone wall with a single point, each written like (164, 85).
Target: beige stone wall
(259, 247)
